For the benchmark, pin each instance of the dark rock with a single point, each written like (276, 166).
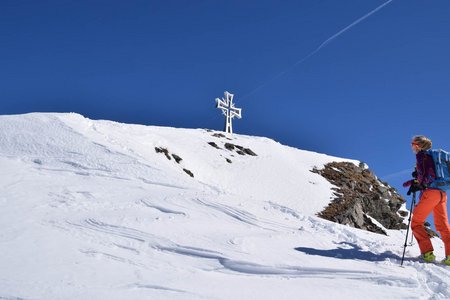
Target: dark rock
(229, 146)
(214, 145)
(249, 152)
(403, 213)
(360, 196)
(240, 149)
(219, 135)
(177, 158)
(163, 150)
(37, 161)
(228, 160)
(188, 172)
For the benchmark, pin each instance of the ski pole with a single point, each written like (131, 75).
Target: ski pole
(412, 206)
(409, 223)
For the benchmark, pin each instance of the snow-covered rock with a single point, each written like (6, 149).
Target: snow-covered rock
(362, 200)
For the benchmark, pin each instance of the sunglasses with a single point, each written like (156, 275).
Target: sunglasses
(414, 144)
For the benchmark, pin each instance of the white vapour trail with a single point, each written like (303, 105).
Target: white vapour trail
(326, 42)
(353, 24)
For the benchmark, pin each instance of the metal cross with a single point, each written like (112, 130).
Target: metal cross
(228, 110)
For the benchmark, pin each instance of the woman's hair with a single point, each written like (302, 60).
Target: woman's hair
(423, 142)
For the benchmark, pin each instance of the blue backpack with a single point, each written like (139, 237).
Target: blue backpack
(441, 161)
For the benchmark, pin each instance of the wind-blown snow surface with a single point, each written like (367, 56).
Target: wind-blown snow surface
(89, 210)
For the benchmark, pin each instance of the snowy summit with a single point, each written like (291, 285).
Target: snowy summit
(103, 210)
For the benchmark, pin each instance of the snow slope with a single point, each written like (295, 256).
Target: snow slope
(89, 210)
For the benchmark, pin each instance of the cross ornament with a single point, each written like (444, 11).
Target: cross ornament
(229, 110)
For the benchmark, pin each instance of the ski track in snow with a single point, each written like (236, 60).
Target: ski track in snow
(242, 216)
(99, 254)
(233, 265)
(432, 279)
(286, 210)
(243, 267)
(162, 209)
(430, 282)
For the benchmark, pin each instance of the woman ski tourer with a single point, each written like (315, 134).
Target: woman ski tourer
(431, 200)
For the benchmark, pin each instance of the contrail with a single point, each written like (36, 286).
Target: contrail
(353, 24)
(326, 42)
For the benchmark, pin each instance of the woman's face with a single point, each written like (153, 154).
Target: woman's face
(415, 147)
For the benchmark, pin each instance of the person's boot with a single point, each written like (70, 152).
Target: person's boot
(429, 257)
(446, 261)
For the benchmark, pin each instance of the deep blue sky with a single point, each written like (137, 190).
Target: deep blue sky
(362, 96)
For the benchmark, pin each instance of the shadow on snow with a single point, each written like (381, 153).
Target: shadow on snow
(350, 251)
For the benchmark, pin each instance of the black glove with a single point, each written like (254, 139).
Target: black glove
(414, 174)
(415, 187)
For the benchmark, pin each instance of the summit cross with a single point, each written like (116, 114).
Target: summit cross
(229, 110)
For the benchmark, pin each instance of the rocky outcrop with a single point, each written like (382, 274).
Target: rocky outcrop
(176, 157)
(239, 149)
(361, 199)
(231, 147)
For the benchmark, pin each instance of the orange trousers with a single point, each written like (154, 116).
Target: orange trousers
(431, 201)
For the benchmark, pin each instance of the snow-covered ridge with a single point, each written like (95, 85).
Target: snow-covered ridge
(70, 141)
(90, 210)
